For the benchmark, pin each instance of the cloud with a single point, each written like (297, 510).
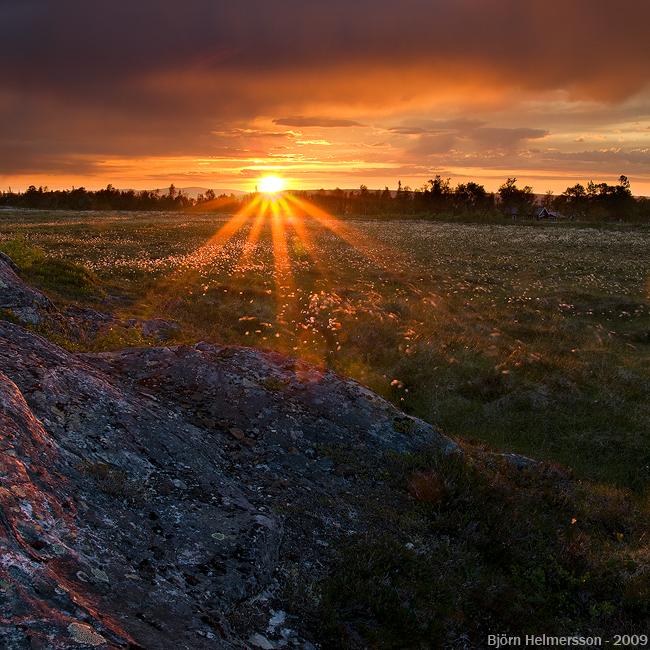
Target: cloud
(325, 122)
(79, 46)
(602, 51)
(443, 137)
(505, 137)
(433, 145)
(84, 80)
(616, 155)
(597, 136)
(434, 127)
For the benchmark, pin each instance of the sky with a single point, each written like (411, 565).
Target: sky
(323, 93)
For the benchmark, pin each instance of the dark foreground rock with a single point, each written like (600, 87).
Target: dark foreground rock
(160, 497)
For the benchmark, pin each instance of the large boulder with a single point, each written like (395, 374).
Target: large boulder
(147, 494)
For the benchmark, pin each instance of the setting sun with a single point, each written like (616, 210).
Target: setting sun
(271, 184)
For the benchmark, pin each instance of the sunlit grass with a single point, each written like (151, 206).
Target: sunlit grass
(528, 339)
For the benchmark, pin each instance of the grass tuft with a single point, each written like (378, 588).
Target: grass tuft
(115, 482)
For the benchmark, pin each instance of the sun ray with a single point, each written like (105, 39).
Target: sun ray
(214, 204)
(380, 254)
(282, 274)
(187, 275)
(214, 245)
(298, 224)
(253, 237)
(287, 304)
(292, 224)
(303, 335)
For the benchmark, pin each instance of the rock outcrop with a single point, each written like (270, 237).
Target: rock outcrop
(24, 304)
(146, 495)
(24, 301)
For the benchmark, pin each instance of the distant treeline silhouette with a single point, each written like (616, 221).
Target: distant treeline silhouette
(110, 198)
(595, 202)
(435, 198)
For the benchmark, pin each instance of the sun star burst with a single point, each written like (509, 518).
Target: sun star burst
(271, 184)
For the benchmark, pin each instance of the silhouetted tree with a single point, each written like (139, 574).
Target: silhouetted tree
(386, 198)
(573, 202)
(472, 197)
(515, 200)
(547, 200)
(437, 195)
(599, 201)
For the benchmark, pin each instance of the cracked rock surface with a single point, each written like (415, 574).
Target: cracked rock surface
(146, 495)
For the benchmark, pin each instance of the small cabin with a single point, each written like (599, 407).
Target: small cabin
(539, 213)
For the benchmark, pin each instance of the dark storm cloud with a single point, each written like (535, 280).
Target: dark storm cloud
(161, 77)
(83, 46)
(272, 32)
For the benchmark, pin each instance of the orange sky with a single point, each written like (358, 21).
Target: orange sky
(214, 94)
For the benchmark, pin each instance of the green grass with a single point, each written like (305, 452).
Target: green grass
(60, 277)
(64, 277)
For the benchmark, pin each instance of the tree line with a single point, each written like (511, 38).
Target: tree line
(595, 202)
(435, 198)
(110, 198)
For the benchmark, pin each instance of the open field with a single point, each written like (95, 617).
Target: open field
(531, 339)
(521, 338)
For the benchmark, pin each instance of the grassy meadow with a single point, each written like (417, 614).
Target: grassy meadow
(514, 337)
(533, 339)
